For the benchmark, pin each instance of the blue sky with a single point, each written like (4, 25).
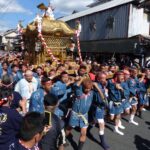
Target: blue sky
(13, 10)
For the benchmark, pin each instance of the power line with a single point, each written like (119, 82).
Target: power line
(6, 5)
(3, 13)
(5, 9)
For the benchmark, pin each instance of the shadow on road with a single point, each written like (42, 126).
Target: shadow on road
(72, 142)
(108, 127)
(91, 137)
(125, 119)
(141, 143)
(148, 123)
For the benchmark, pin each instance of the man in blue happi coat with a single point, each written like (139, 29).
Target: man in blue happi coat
(99, 105)
(37, 98)
(62, 89)
(116, 93)
(81, 105)
(133, 84)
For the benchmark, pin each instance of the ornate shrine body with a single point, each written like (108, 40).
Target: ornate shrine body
(47, 39)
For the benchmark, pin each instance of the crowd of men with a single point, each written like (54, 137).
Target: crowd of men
(75, 94)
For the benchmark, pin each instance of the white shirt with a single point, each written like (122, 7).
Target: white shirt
(26, 88)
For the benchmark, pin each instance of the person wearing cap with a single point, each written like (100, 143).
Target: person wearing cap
(37, 97)
(52, 140)
(31, 131)
(116, 94)
(10, 119)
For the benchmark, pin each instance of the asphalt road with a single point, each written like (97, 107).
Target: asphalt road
(135, 138)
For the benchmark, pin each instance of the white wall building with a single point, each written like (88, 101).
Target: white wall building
(8, 38)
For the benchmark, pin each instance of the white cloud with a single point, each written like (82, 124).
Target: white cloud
(65, 7)
(4, 25)
(12, 6)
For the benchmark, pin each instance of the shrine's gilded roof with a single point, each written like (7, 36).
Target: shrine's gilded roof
(50, 27)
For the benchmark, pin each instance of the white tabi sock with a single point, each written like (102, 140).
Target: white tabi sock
(120, 125)
(63, 136)
(101, 132)
(132, 121)
(116, 130)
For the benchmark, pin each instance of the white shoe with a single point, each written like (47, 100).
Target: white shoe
(119, 132)
(133, 122)
(143, 109)
(122, 127)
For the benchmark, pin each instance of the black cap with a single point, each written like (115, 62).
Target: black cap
(104, 64)
(133, 68)
(13, 66)
(45, 79)
(112, 65)
(50, 100)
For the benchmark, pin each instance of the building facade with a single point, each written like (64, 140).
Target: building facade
(9, 40)
(114, 26)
